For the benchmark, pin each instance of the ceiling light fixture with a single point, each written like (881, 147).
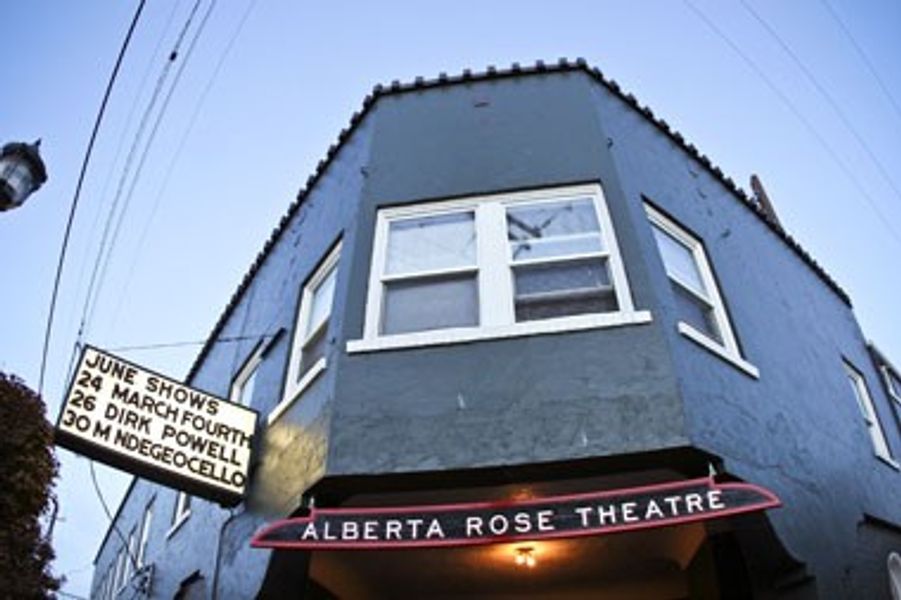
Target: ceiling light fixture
(525, 557)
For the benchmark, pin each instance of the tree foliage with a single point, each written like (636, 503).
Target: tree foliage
(28, 468)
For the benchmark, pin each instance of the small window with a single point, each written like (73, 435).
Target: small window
(308, 351)
(699, 306)
(892, 384)
(181, 512)
(245, 381)
(894, 575)
(502, 265)
(120, 570)
(868, 412)
(130, 553)
(145, 535)
(103, 589)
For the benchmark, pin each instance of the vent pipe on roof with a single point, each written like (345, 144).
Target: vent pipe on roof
(762, 200)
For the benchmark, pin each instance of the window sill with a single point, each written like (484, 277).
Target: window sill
(308, 378)
(461, 335)
(177, 525)
(730, 357)
(889, 461)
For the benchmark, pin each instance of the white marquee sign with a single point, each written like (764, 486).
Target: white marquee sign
(155, 427)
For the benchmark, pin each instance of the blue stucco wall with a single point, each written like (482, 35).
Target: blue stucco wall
(500, 402)
(798, 429)
(519, 401)
(292, 451)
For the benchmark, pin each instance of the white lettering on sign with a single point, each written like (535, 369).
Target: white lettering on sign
(116, 408)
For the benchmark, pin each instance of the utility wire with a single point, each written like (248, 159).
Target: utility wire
(176, 156)
(864, 58)
(147, 146)
(81, 176)
(826, 95)
(800, 116)
(109, 515)
(162, 345)
(121, 142)
(98, 273)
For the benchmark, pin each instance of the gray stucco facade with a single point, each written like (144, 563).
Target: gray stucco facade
(471, 419)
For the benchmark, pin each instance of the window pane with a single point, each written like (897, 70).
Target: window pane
(553, 229)
(431, 243)
(858, 395)
(145, 535)
(696, 312)
(431, 303)
(545, 291)
(247, 388)
(679, 261)
(312, 351)
(322, 301)
(865, 403)
(896, 385)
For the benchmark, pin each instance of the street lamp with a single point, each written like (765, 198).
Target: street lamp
(21, 173)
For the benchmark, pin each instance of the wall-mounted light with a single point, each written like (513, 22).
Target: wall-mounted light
(525, 557)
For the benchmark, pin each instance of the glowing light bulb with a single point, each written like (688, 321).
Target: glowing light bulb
(525, 558)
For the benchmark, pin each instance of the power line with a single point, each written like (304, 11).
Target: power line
(121, 142)
(147, 146)
(98, 271)
(109, 515)
(864, 58)
(800, 116)
(826, 95)
(178, 152)
(81, 176)
(165, 345)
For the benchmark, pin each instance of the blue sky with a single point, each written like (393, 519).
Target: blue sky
(261, 98)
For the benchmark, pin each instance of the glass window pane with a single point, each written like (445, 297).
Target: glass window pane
(321, 305)
(697, 313)
(858, 395)
(431, 243)
(554, 290)
(145, 534)
(553, 229)
(679, 261)
(896, 385)
(247, 388)
(431, 303)
(312, 351)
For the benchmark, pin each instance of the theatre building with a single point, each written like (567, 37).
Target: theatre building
(518, 338)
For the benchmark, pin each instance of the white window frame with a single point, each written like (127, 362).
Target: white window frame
(869, 414)
(121, 559)
(130, 554)
(181, 512)
(296, 382)
(144, 539)
(890, 377)
(247, 371)
(494, 273)
(893, 566)
(728, 350)
(105, 587)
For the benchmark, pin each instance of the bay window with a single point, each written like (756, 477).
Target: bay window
(495, 266)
